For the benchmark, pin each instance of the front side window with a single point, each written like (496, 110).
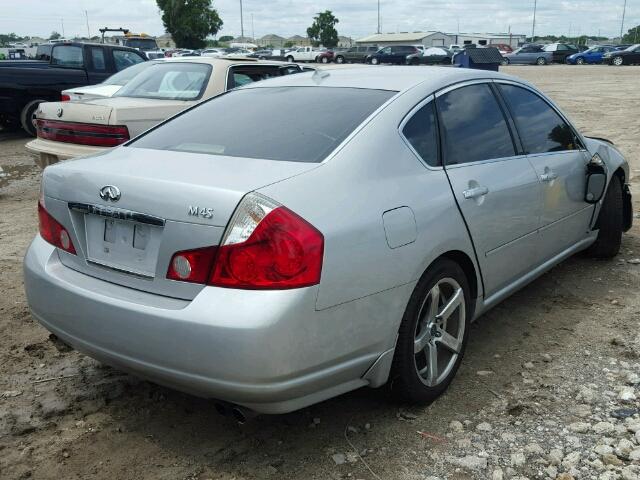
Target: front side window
(124, 59)
(422, 134)
(67, 56)
(541, 128)
(265, 123)
(169, 81)
(473, 125)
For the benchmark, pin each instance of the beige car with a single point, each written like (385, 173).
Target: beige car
(73, 129)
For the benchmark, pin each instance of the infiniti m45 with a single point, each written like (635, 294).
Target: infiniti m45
(349, 241)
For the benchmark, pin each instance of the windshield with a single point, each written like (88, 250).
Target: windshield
(123, 77)
(141, 43)
(169, 81)
(265, 123)
(632, 48)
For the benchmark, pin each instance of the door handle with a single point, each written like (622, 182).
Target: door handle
(548, 176)
(475, 192)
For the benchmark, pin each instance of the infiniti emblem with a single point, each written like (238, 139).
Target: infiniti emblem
(110, 193)
(59, 112)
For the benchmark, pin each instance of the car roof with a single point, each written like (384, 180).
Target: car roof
(392, 78)
(224, 61)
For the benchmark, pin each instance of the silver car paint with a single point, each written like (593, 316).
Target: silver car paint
(276, 351)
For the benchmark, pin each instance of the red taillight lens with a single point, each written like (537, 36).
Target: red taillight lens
(82, 133)
(192, 265)
(65, 98)
(284, 251)
(53, 232)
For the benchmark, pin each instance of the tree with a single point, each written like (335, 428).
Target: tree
(632, 36)
(189, 21)
(322, 31)
(226, 38)
(9, 38)
(54, 35)
(288, 44)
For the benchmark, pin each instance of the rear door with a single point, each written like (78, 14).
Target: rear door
(97, 64)
(496, 188)
(560, 161)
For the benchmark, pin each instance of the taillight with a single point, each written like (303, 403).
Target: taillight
(265, 246)
(82, 133)
(192, 265)
(65, 98)
(53, 232)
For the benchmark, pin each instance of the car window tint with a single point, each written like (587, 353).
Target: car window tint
(474, 127)
(97, 56)
(67, 56)
(541, 128)
(421, 132)
(169, 80)
(272, 127)
(124, 59)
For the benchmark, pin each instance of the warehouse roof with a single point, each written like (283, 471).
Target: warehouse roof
(396, 37)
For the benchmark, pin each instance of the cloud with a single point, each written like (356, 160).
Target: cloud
(357, 17)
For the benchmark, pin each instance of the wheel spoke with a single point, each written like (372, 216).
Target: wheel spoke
(434, 295)
(422, 340)
(432, 364)
(448, 341)
(451, 306)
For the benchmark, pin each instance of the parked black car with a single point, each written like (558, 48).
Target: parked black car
(396, 54)
(24, 84)
(355, 54)
(561, 51)
(629, 56)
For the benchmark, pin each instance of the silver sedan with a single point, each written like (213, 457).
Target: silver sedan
(301, 237)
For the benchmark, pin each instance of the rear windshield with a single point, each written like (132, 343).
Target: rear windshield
(169, 81)
(295, 124)
(124, 76)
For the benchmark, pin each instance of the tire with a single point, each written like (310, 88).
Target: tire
(414, 61)
(289, 59)
(27, 116)
(610, 221)
(617, 61)
(375, 61)
(339, 59)
(541, 61)
(324, 60)
(413, 377)
(580, 61)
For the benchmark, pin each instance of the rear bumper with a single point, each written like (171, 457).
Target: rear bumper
(47, 152)
(269, 351)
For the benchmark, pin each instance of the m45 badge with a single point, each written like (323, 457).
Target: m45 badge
(202, 212)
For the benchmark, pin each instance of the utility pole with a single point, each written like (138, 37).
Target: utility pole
(241, 22)
(253, 32)
(379, 17)
(62, 23)
(533, 26)
(86, 14)
(624, 9)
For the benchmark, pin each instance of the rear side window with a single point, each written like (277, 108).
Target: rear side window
(240, 75)
(67, 56)
(124, 59)
(267, 123)
(422, 134)
(473, 125)
(97, 57)
(541, 128)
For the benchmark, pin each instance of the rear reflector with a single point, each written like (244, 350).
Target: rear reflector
(53, 232)
(82, 133)
(192, 265)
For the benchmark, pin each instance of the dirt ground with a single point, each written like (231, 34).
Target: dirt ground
(547, 388)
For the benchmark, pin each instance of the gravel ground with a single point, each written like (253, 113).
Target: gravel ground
(549, 389)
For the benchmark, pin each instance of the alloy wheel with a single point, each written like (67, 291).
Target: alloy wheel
(439, 333)
(617, 61)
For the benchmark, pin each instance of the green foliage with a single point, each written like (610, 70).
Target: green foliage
(226, 38)
(10, 38)
(189, 21)
(54, 35)
(632, 35)
(322, 31)
(581, 40)
(288, 44)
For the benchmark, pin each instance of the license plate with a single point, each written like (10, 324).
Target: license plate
(123, 245)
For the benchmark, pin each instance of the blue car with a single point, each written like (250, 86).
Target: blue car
(593, 55)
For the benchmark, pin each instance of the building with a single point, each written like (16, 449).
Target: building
(345, 41)
(272, 39)
(485, 39)
(165, 41)
(299, 41)
(428, 39)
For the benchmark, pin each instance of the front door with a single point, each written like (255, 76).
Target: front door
(560, 161)
(497, 190)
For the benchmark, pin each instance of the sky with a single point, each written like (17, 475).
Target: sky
(357, 17)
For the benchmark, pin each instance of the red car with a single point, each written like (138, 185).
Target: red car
(325, 56)
(503, 47)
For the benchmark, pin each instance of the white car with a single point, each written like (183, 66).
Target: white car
(107, 88)
(303, 54)
(213, 52)
(73, 129)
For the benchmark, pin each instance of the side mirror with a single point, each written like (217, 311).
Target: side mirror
(596, 180)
